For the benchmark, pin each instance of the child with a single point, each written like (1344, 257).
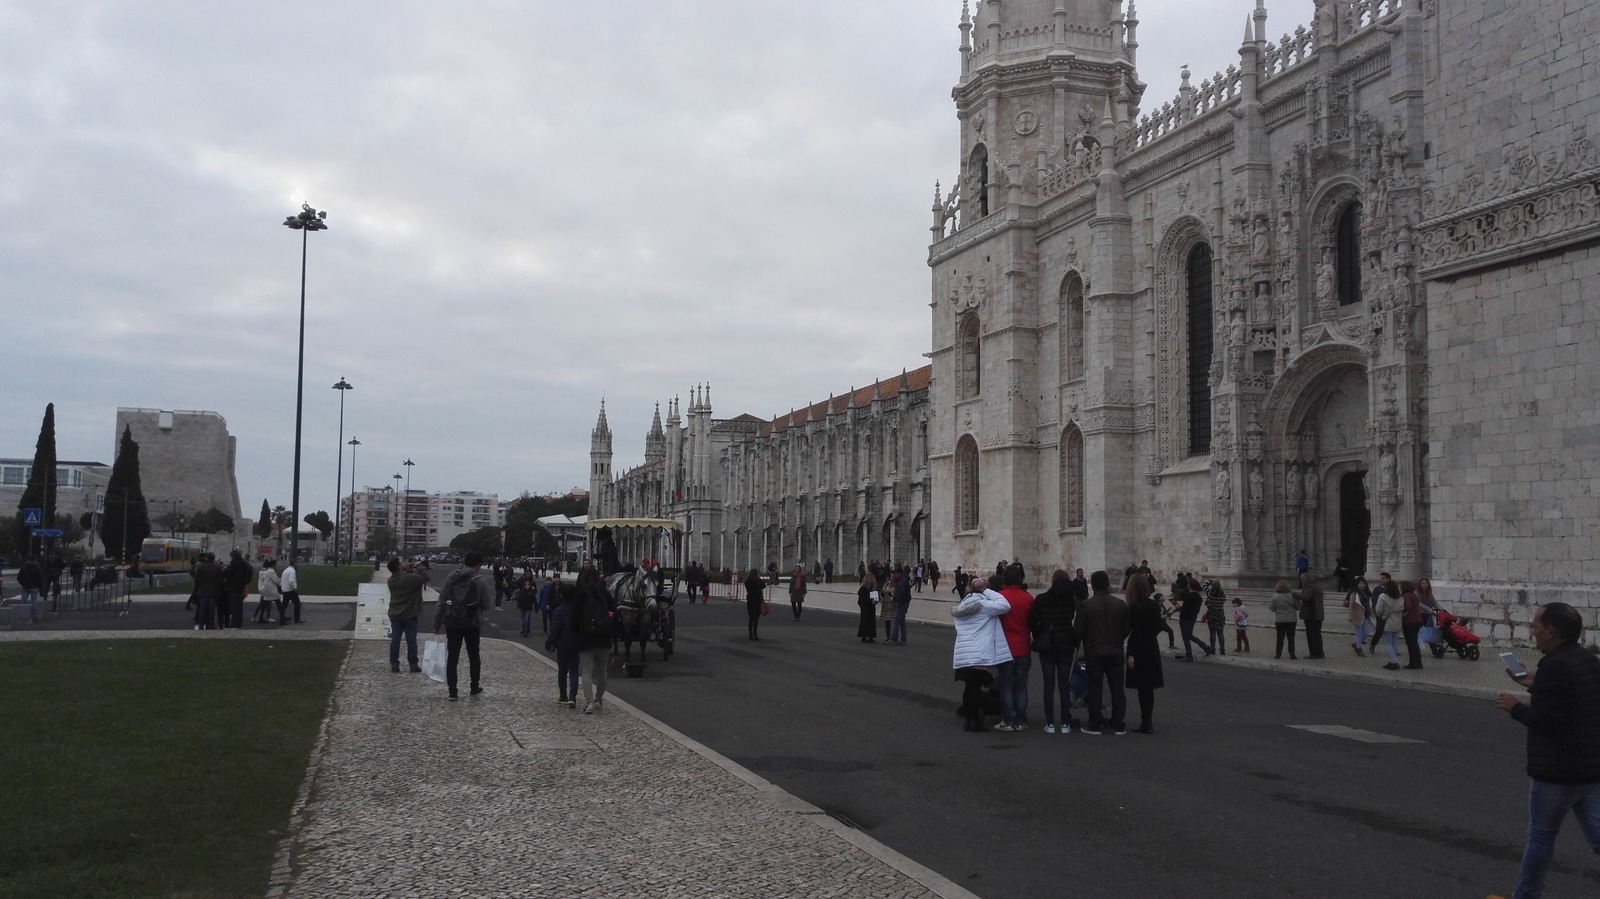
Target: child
(1241, 621)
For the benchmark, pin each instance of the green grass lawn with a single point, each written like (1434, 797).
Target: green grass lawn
(154, 767)
(332, 580)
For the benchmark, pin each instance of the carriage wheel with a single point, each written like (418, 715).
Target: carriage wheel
(1472, 653)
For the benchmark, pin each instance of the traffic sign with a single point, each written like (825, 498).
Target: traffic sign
(32, 518)
(48, 532)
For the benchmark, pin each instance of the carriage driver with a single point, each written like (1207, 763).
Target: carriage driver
(609, 564)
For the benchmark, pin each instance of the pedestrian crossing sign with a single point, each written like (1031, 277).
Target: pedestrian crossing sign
(32, 518)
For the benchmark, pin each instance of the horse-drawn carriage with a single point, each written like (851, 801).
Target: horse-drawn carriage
(645, 594)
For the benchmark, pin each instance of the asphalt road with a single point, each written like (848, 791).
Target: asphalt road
(1226, 799)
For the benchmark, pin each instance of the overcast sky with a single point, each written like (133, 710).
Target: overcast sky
(530, 204)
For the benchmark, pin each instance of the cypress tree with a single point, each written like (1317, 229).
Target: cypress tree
(264, 526)
(40, 493)
(125, 504)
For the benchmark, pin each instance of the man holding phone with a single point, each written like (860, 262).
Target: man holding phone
(1562, 715)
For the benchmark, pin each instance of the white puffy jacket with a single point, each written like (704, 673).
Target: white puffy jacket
(980, 640)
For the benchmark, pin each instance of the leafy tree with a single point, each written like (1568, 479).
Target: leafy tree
(171, 522)
(321, 521)
(212, 521)
(380, 540)
(40, 493)
(524, 535)
(72, 530)
(263, 528)
(126, 522)
(484, 540)
(8, 537)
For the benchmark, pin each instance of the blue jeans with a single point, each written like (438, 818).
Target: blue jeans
(1186, 628)
(397, 627)
(31, 596)
(1391, 642)
(897, 625)
(567, 673)
(1547, 805)
(527, 620)
(1057, 672)
(1362, 630)
(1014, 690)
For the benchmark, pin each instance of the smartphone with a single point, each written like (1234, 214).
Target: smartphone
(1512, 665)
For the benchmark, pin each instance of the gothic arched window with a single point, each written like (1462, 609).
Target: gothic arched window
(966, 483)
(979, 170)
(969, 358)
(1072, 328)
(1199, 349)
(1072, 477)
(1347, 255)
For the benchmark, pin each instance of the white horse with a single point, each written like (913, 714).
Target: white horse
(635, 592)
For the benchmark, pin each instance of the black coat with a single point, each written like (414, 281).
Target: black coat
(1563, 717)
(1144, 623)
(1054, 612)
(754, 588)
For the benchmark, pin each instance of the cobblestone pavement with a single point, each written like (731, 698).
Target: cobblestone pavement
(512, 794)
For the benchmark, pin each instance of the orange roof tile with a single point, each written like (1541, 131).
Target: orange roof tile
(914, 381)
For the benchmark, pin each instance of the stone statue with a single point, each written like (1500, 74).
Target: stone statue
(1259, 248)
(1387, 477)
(1313, 486)
(1224, 489)
(1291, 485)
(1256, 486)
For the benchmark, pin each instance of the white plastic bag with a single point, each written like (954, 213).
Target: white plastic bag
(433, 659)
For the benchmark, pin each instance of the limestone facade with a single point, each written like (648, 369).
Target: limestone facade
(1334, 297)
(185, 459)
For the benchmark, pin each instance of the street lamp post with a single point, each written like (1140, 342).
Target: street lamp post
(351, 555)
(408, 463)
(338, 480)
(306, 221)
(399, 518)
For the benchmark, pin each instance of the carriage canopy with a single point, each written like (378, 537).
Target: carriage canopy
(639, 538)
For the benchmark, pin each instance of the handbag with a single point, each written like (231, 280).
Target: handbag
(765, 608)
(1042, 642)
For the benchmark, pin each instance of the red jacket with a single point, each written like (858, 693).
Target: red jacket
(1015, 622)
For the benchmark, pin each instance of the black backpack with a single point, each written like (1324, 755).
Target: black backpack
(461, 602)
(595, 620)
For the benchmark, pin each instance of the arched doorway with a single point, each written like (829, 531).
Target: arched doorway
(1355, 520)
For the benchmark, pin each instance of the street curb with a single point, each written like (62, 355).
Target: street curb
(282, 875)
(1382, 680)
(926, 877)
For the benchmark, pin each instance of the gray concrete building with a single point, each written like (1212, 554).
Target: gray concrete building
(186, 461)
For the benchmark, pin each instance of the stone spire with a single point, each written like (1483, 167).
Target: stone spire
(655, 442)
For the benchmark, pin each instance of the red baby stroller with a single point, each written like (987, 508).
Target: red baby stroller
(1453, 634)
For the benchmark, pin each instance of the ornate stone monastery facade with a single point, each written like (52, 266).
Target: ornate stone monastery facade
(846, 479)
(1339, 295)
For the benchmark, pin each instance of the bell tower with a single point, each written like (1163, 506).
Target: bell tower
(599, 464)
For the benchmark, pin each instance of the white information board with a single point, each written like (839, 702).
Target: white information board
(372, 612)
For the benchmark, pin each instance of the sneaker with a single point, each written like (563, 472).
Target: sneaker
(599, 705)
(1122, 729)
(477, 691)
(573, 704)
(454, 697)
(1004, 728)
(1066, 727)
(588, 708)
(1090, 731)
(1049, 728)
(395, 668)
(1020, 725)
(563, 701)
(416, 669)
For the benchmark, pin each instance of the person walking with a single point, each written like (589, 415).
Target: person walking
(754, 589)
(797, 590)
(1014, 674)
(1241, 626)
(235, 584)
(267, 588)
(1562, 715)
(526, 597)
(1216, 616)
(902, 605)
(1411, 618)
(1302, 563)
(885, 609)
(1387, 585)
(866, 595)
(1311, 613)
(981, 647)
(561, 637)
(1284, 605)
(405, 609)
(1358, 605)
(75, 567)
(933, 575)
(1190, 605)
(1054, 641)
(827, 570)
(596, 615)
(1102, 627)
(289, 584)
(207, 592)
(30, 577)
(1388, 610)
(1144, 649)
(464, 599)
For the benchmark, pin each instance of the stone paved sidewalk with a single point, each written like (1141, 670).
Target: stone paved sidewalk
(513, 794)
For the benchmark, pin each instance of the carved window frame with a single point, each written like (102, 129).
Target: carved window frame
(966, 483)
(969, 356)
(978, 174)
(1072, 478)
(1171, 336)
(1326, 209)
(1071, 327)
(1347, 254)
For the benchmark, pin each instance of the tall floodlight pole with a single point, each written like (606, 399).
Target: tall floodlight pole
(351, 555)
(408, 463)
(338, 480)
(306, 221)
(399, 518)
